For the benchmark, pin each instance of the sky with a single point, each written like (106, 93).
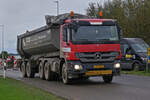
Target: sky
(17, 16)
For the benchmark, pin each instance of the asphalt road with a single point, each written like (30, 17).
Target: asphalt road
(124, 87)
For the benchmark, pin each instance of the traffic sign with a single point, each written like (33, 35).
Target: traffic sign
(148, 55)
(148, 60)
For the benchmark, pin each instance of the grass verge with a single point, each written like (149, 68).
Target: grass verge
(15, 90)
(141, 73)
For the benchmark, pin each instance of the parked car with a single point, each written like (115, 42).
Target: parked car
(134, 54)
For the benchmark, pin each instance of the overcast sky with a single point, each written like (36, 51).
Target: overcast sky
(21, 15)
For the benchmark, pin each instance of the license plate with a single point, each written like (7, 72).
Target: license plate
(94, 73)
(99, 66)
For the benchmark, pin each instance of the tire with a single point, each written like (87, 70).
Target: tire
(86, 78)
(108, 79)
(41, 70)
(23, 69)
(136, 66)
(29, 70)
(64, 75)
(49, 75)
(83, 78)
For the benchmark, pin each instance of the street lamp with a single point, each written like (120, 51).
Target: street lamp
(57, 2)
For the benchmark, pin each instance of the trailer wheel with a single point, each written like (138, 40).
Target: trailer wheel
(108, 79)
(23, 69)
(30, 71)
(41, 70)
(49, 75)
(64, 75)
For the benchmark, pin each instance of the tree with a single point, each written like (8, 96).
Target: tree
(4, 54)
(92, 10)
(132, 15)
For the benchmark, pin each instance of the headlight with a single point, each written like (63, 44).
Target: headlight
(78, 67)
(117, 65)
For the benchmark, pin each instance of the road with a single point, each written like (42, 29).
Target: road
(124, 87)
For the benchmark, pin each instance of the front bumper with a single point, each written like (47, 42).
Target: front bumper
(90, 70)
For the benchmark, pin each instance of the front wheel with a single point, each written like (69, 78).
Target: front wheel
(65, 74)
(108, 79)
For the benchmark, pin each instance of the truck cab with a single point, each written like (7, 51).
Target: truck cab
(134, 54)
(91, 47)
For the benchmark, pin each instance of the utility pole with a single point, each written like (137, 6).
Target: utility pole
(2, 26)
(143, 4)
(57, 2)
(3, 62)
(143, 15)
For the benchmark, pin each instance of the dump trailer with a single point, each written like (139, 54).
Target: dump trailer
(71, 46)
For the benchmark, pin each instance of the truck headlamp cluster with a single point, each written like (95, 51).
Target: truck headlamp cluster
(117, 65)
(78, 67)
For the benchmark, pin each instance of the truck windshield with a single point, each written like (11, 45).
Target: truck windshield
(95, 33)
(140, 47)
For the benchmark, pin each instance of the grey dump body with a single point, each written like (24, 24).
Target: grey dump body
(40, 41)
(44, 40)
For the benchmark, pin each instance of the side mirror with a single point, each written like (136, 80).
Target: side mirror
(66, 33)
(120, 32)
(128, 56)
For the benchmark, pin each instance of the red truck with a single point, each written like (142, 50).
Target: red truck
(71, 46)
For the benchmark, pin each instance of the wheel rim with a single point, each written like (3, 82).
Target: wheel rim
(41, 70)
(23, 70)
(28, 70)
(46, 70)
(64, 74)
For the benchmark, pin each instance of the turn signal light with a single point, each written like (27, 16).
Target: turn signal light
(100, 13)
